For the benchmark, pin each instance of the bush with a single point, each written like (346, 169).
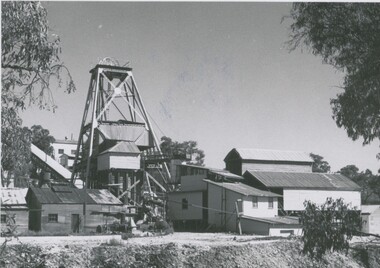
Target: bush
(328, 227)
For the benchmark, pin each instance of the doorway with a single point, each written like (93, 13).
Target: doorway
(75, 223)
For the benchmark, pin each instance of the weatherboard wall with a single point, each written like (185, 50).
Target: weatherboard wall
(65, 212)
(294, 198)
(21, 217)
(262, 209)
(118, 161)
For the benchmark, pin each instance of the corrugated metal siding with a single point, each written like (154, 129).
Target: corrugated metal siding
(294, 198)
(274, 155)
(124, 147)
(127, 132)
(304, 180)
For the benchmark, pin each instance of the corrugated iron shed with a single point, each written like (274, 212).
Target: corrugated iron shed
(303, 180)
(124, 147)
(270, 155)
(243, 189)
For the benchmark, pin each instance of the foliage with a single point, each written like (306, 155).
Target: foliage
(319, 165)
(347, 36)
(30, 67)
(15, 146)
(29, 60)
(368, 182)
(329, 226)
(186, 150)
(42, 139)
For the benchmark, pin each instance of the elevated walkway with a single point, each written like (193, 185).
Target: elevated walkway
(57, 171)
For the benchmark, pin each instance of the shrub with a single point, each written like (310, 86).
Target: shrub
(329, 226)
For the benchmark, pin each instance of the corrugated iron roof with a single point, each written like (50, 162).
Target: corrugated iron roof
(369, 209)
(13, 196)
(124, 147)
(303, 180)
(66, 195)
(227, 174)
(271, 155)
(243, 189)
(103, 197)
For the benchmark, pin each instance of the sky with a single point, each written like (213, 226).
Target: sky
(217, 73)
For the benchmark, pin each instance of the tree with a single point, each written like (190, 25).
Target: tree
(29, 60)
(15, 146)
(350, 171)
(184, 150)
(319, 165)
(368, 182)
(30, 67)
(329, 226)
(347, 36)
(42, 139)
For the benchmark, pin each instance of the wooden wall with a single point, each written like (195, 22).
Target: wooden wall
(118, 161)
(21, 219)
(65, 212)
(262, 209)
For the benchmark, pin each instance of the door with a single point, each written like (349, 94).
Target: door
(75, 223)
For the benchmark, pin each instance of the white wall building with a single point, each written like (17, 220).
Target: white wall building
(65, 151)
(370, 215)
(296, 188)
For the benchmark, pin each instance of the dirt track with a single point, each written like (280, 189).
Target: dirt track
(200, 239)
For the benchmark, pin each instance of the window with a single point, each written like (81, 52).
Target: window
(185, 203)
(3, 218)
(73, 151)
(254, 202)
(270, 202)
(53, 218)
(61, 151)
(291, 232)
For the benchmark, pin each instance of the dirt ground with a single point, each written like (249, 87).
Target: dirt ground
(175, 250)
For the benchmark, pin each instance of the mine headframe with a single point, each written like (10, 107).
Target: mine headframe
(117, 144)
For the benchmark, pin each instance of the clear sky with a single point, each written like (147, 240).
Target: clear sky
(216, 73)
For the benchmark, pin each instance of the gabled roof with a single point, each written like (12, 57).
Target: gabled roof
(123, 147)
(269, 155)
(13, 196)
(303, 180)
(369, 209)
(242, 188)
(67, 195)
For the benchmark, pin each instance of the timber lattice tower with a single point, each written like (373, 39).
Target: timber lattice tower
(117, 146)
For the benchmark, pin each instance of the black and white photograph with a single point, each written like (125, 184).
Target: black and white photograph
(190, 134)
